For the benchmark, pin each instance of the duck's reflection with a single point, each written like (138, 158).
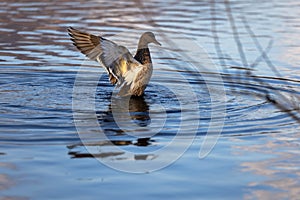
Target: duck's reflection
(78, 150)
(130, 112)
(139, 111)
(134, 109)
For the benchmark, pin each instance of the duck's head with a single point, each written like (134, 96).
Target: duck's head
(146, 38)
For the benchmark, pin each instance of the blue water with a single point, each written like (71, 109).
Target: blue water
(227, 69)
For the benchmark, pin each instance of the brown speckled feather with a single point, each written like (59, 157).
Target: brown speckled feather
(143, 56)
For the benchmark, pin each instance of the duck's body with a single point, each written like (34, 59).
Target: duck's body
(131, 74)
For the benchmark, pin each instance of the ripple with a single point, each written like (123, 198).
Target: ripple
(42, 45)
(39, 66)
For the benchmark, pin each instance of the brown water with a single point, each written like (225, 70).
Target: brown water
(247, 50)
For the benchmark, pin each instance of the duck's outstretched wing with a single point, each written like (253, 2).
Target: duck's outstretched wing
(117, 60)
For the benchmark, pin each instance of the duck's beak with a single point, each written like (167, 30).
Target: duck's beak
(156, 42)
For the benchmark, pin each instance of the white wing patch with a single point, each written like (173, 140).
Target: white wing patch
(131, 75)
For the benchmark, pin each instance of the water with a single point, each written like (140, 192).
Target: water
(42, 134)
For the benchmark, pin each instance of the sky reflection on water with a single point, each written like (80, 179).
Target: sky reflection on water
(257, 156)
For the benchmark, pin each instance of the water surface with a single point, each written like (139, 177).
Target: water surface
(257, 154)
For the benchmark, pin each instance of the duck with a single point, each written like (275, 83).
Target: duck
(130, 74)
